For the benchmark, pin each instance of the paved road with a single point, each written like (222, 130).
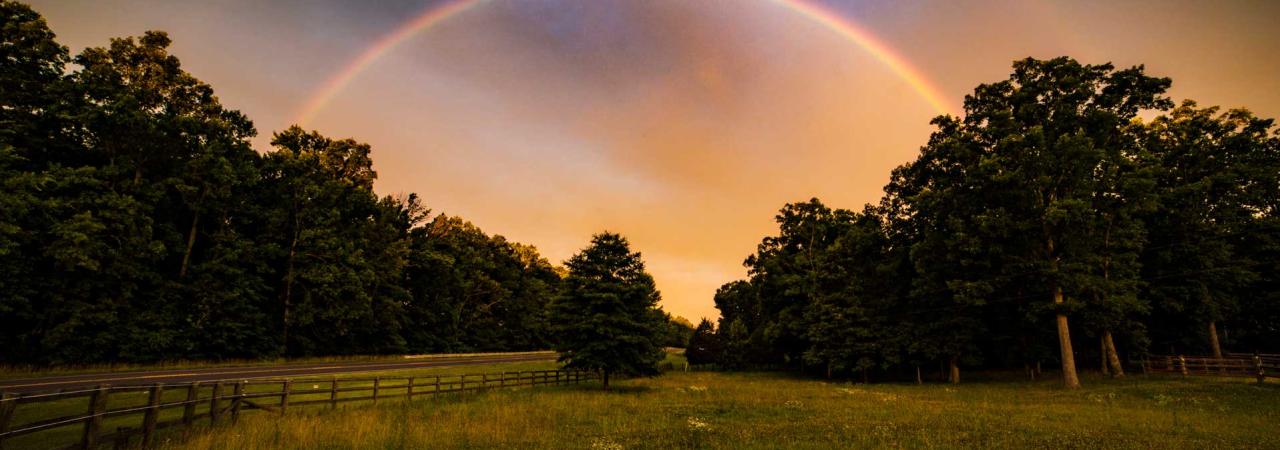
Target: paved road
(69, 382)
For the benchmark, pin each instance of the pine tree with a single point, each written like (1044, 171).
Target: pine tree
(606, 319)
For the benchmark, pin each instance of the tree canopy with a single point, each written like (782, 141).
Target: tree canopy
(138, 224)
(606, 317)
(1048, 212)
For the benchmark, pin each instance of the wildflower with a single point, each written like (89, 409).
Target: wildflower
(698, 424)
(698, 388)
(604, 444)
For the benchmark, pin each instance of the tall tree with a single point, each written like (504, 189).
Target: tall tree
(606, 318)
(329, 262)
(1043, 133)
(1217, 175)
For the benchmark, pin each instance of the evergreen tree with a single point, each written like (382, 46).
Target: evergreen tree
(606, 318)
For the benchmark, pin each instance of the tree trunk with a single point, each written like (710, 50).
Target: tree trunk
(1113, 357)
(1214, 345)
(1069, 377)
(288, 293)
(1102, 345)
(954, 376)
(919, 379)
(606, 380)
(191, 244)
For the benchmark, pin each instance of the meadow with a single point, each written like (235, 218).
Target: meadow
(59, 437)
(780, 410)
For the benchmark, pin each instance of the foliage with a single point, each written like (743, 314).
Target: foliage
(704, 345)
(137, 224)
(1048, 200)
(606, 317)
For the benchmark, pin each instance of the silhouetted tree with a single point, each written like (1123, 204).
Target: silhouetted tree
(606, 318)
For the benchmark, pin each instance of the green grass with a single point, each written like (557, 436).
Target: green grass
(58, 437)
(777, 410)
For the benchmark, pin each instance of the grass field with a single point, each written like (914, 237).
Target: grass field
(73, 406)
(777, 410)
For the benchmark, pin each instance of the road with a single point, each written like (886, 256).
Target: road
(129, 378)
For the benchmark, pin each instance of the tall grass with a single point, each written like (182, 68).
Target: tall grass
(775, 410)
(63, 436)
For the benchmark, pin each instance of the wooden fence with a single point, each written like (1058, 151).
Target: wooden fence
(1260, 367)
(223, 400)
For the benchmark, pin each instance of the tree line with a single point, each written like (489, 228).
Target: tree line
(138, 224)
(1073, 211)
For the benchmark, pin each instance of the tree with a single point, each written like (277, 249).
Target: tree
(677, 332)
(606, 318)
(475, 292)
(1043, 134)
(1216, 182)
(704, 345)
(935, 210)
(31, 78)
(334, 258)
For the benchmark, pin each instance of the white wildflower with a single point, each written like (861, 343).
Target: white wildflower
(698, 424)
(604, 444)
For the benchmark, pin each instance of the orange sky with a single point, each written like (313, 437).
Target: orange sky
(683, 125)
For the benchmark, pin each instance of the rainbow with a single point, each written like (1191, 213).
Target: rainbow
(434, 15)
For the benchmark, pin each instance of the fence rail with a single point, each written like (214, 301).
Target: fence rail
(1260, 367)
(223, 400)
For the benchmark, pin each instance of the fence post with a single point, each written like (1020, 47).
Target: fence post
(410, 393)
(1257, 365)
(97, 406)
(463, 382)
(333, 393)
(436, 390)
(153, 413)
(1182, 363)
(213, 403)
(284, 395)
(8, 403)
(376, 381)
(189, 409)
(237, 399)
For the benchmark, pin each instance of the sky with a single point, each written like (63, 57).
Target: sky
(684, 125)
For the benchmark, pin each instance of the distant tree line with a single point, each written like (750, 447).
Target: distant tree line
(137, 224)
(1060, 217)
